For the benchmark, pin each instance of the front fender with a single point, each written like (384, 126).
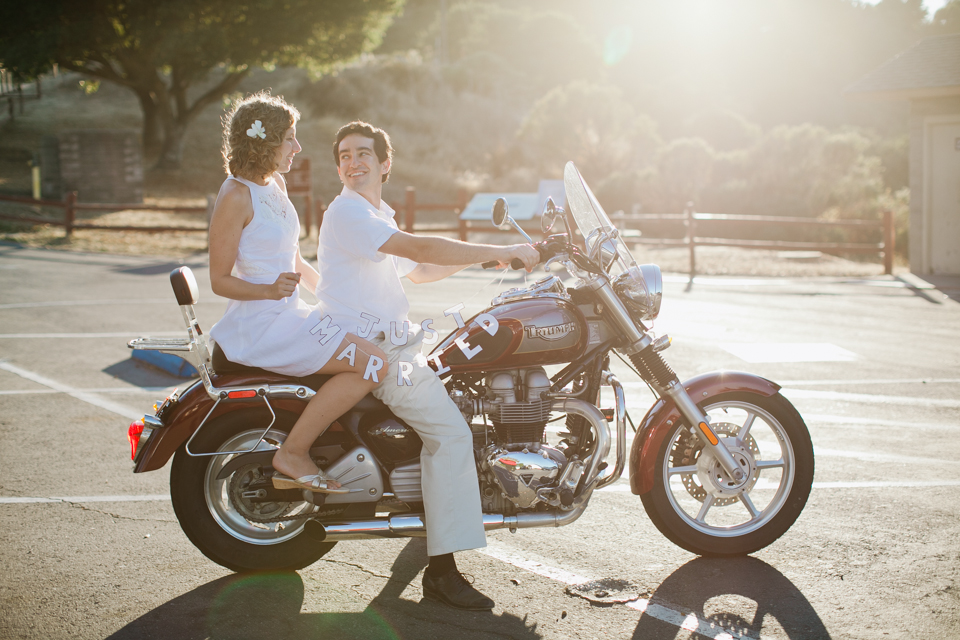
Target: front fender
(663, 415)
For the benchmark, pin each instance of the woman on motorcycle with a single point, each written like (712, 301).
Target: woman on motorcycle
(255, 261)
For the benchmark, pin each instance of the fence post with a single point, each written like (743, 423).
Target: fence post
(410, 210)
(889, 242)
(69, 212)
(691, 224)
(464, 228)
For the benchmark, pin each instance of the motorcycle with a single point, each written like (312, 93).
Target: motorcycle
(722, 462)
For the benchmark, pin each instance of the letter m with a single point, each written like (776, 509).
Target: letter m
(327, 330)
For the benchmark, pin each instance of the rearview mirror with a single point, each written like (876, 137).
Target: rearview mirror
(501, 212)
(502, 220)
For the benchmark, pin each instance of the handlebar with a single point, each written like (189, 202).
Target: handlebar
(543, 247)
(515, 264)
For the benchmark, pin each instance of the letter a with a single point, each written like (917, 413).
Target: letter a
(350, 353)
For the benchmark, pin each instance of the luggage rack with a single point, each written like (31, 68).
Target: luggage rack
(185, 287)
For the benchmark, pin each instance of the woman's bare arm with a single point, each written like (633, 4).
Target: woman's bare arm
(232, 212)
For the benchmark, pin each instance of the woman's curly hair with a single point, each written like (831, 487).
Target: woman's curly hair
(255, 157)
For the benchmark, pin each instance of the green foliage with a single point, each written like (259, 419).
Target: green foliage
(159, 50)
(545, 48)
(444, 138)
(590, 124)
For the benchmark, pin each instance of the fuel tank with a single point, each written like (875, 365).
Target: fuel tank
(528, 332)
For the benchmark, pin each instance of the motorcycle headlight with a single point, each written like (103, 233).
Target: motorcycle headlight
(641, 287)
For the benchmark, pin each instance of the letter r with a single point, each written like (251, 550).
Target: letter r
(403, 374)
(373, 365)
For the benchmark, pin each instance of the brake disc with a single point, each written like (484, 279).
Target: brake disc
(686, 452)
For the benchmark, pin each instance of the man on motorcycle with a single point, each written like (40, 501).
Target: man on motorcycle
(362, 255)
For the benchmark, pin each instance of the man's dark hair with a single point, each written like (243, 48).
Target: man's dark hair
(381, 142)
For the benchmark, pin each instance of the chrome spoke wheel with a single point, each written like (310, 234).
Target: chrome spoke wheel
(236, 502)
(701, 492)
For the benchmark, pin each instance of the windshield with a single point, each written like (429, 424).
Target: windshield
(601, 238)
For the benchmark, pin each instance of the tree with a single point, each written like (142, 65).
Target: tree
(180, 56)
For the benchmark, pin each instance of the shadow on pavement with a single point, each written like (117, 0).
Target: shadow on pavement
(714, 590)
(258, 606)
(144, 375)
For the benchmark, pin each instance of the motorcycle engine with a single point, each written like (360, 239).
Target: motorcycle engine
(517, 463)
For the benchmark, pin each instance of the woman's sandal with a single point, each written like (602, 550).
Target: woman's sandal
(315, 482)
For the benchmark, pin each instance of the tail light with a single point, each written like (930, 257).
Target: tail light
(133, 435)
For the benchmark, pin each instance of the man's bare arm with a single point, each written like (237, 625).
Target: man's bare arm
(446, 252)
(433, 272)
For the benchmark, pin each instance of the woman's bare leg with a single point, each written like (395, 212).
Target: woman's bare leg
(335, 397)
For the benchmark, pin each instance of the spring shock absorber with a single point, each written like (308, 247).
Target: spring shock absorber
(653, 368)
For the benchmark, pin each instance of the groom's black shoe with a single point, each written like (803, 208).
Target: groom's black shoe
(453, 589)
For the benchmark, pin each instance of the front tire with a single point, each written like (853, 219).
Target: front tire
(694, 503)
(220, 518)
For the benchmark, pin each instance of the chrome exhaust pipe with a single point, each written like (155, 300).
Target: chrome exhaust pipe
(413, 526)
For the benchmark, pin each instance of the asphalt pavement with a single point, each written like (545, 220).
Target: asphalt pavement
(90, 550)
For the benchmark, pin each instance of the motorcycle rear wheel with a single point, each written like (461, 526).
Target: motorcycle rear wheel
(694, 503)
(215, 515)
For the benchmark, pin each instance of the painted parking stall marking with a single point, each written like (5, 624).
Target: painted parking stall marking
(781, 352)
(89, 398)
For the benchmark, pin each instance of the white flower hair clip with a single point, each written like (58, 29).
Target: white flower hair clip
(256, 129)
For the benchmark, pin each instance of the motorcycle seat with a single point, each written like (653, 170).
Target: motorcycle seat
(224, 369)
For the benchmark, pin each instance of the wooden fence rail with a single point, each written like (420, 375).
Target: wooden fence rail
(689, 219)
(70, 207)
(410, 207)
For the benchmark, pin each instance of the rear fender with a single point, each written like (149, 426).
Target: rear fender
(663, 415)
(188, 414)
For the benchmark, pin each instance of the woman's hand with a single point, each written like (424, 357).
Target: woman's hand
(284, 286)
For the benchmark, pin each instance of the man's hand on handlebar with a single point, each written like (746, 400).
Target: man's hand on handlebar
(520, 253)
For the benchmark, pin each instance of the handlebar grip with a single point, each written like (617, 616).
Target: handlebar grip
(516, 263)
(490, 265)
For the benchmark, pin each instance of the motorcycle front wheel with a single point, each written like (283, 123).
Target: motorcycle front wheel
(225, 518)
(699, 508)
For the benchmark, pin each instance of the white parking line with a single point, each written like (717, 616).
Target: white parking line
(877, 456)
(689, 622)
(82, 303)
(18, 392)
(85, 499)
(89, 398)
(870, 398)
(623, 486)
(814, 418)
(831, 383)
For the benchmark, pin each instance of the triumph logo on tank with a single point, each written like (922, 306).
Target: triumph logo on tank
(554, 332)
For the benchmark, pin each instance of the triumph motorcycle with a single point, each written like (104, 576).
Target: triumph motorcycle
(722, 462)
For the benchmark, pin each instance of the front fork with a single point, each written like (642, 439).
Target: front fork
(654, 370)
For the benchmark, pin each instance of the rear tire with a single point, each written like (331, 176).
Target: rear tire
(211, 518)
(699, 509)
